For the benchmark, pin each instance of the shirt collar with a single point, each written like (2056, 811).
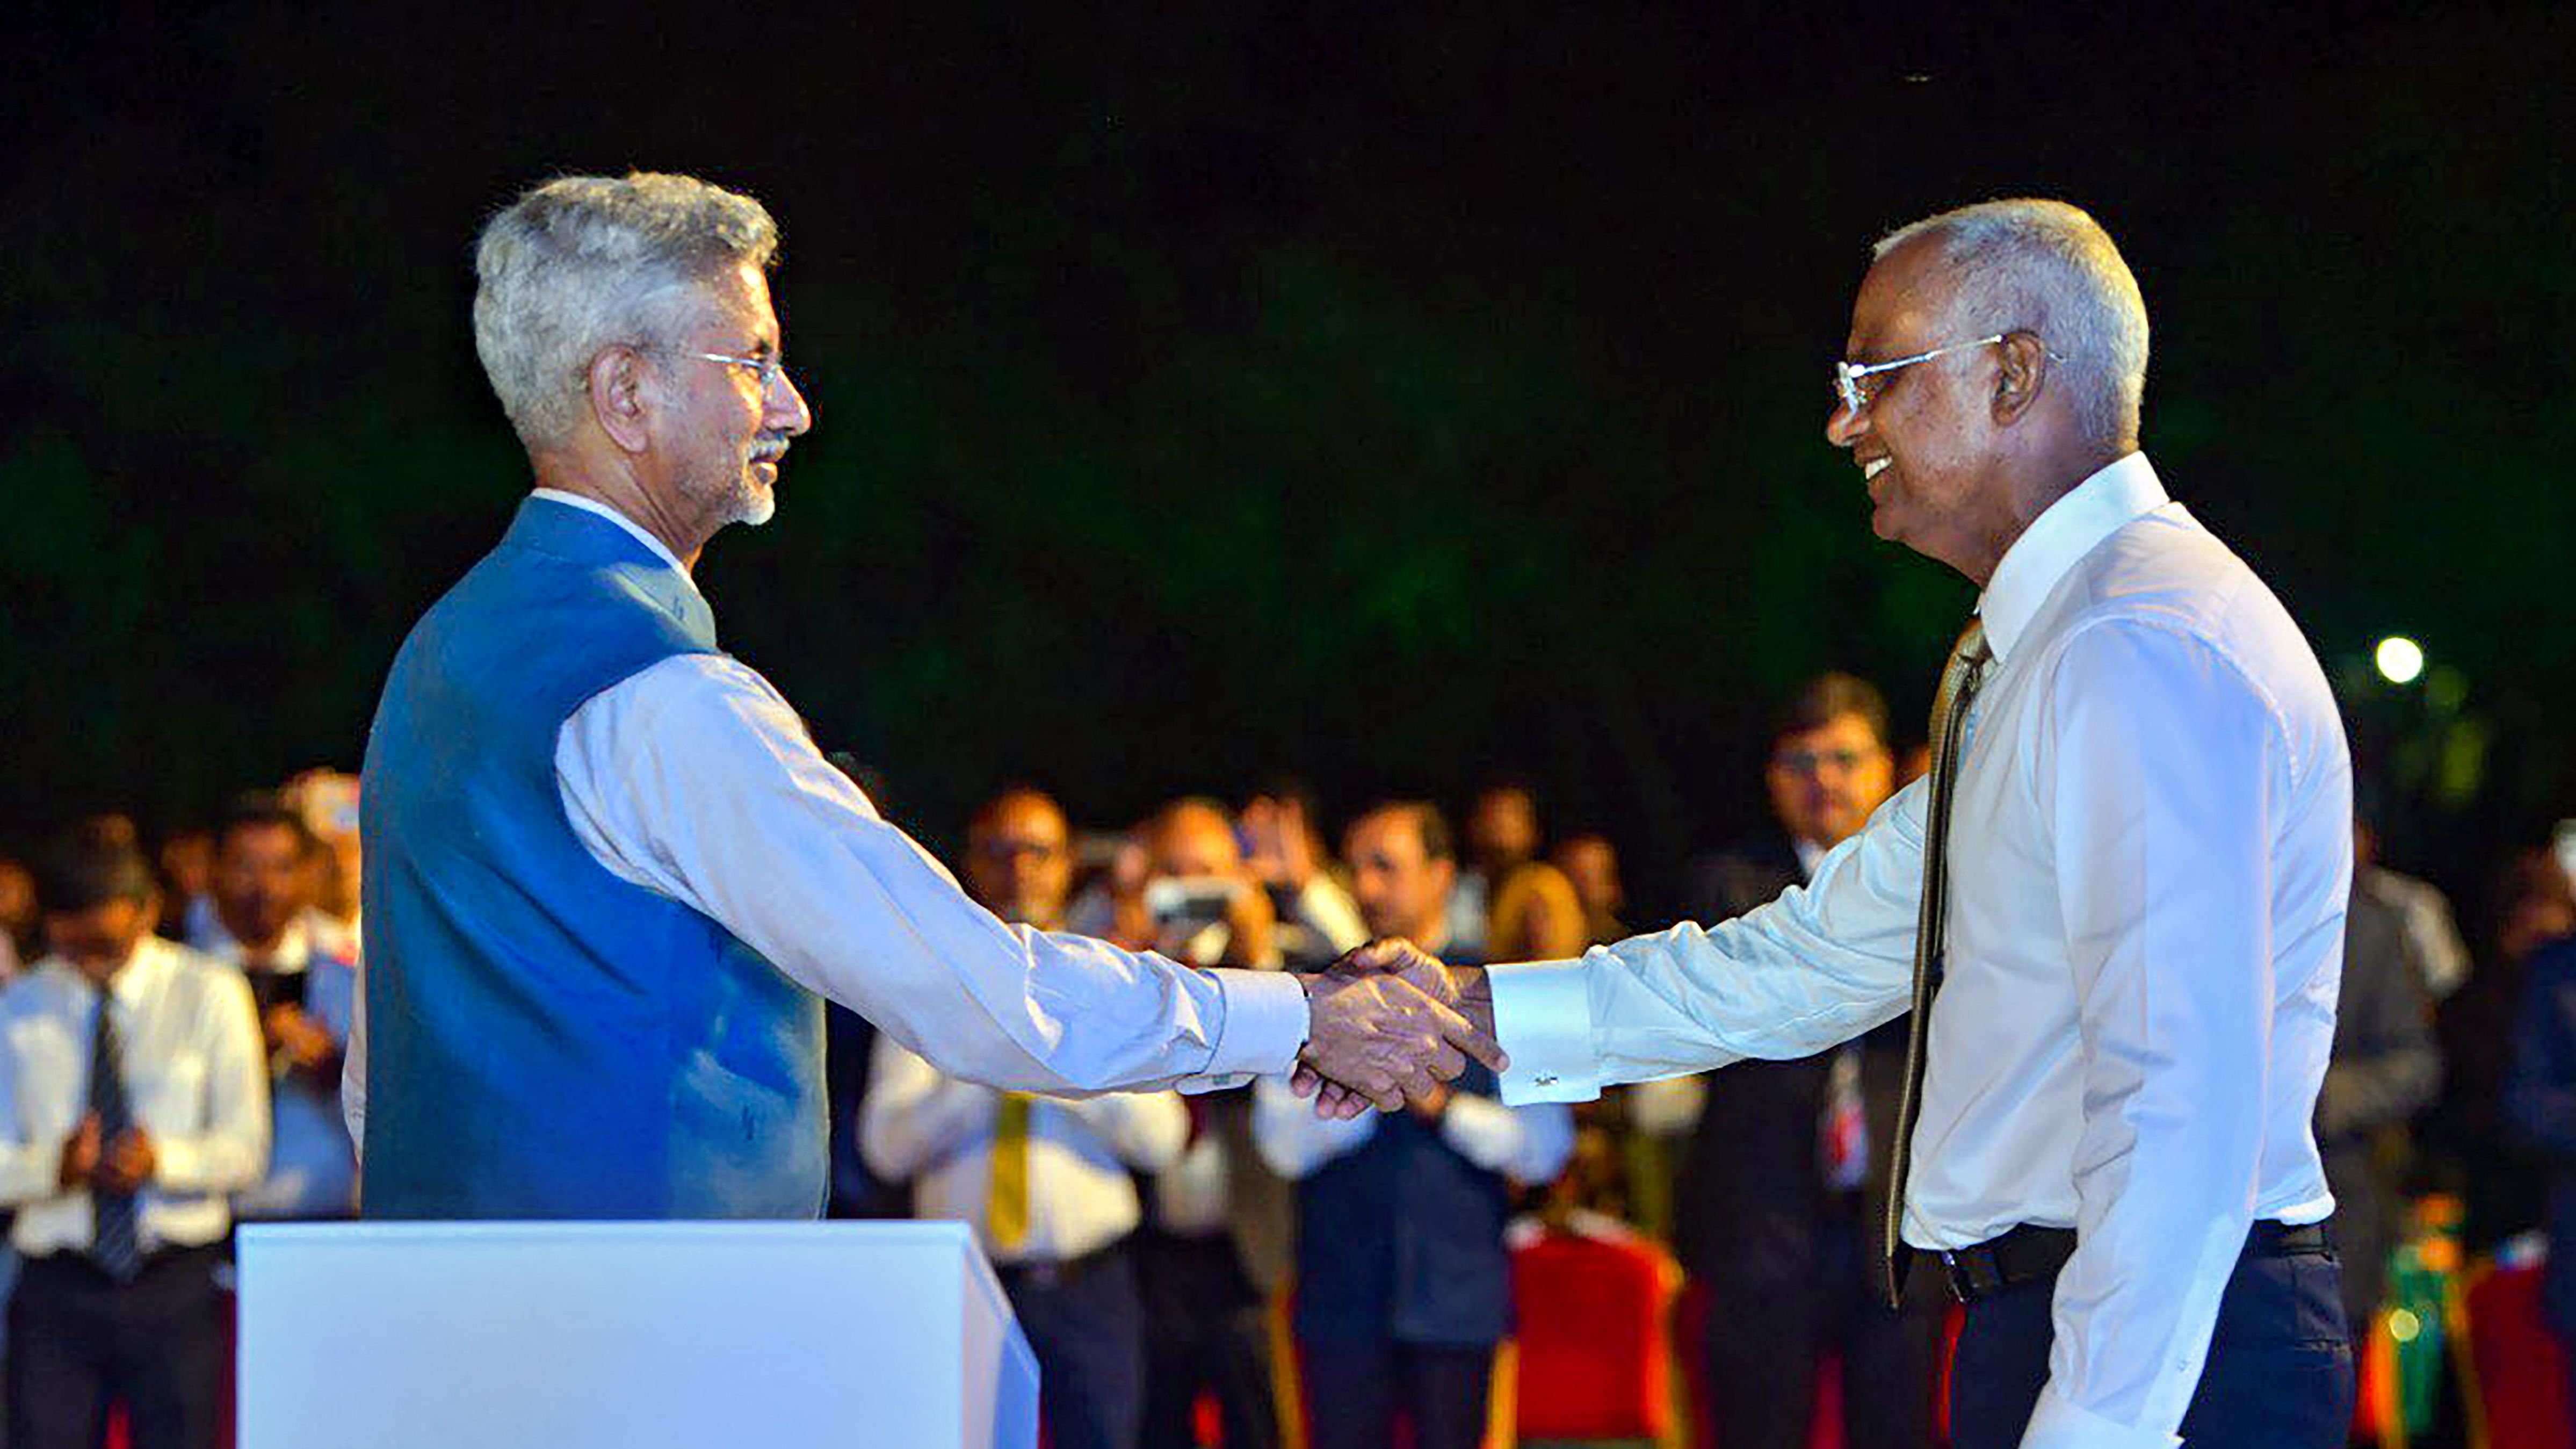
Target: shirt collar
(642, 534)
(2117, 494)
(294, 950)
(131, 980)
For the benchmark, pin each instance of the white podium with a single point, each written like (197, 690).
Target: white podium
(628, 1336)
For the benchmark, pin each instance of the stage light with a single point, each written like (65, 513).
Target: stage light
(2400, 659)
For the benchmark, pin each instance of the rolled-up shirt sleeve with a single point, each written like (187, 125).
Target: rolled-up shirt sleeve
(1820, 965)
(695, 779)
(2163, 777)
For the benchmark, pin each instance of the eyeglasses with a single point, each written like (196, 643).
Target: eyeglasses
(1813, 762)
(768, 371)
(1847, 384)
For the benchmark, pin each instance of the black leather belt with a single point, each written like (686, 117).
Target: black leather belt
(2027, 1253)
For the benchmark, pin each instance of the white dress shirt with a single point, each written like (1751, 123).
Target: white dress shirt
(1528, 1144)
(195, 1077)
(918, 1122)
(312, 1163)
(2150, 857)
(695, 779)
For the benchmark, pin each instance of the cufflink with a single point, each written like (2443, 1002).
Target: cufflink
(1544, 1079)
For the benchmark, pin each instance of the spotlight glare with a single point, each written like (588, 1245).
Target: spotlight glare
(2400, 659)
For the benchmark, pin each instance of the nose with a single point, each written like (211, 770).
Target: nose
(787, 411)
(1845, 427)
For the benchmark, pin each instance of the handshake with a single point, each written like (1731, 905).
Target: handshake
(1390, 1024)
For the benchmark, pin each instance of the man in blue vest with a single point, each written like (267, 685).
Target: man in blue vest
(1403, 1283)
(609, 878)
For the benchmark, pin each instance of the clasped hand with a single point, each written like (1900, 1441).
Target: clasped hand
(1390, 1024)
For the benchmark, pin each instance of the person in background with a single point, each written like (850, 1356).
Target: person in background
(2383, 1068)
(186, 859)
(2539, 1109)
(133, 1104)
(1512, 906)
(1774, 1208)
(1285, 850)
(1044, 1181)
(1590, 863)
(17, 915)
(2533, 904)
(306, 985)
(2432, 936)
(1218, 1222)
(328, 801)
(1403, 1279)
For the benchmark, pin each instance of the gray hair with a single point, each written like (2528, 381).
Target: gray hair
(2047, 267)
(586, 262)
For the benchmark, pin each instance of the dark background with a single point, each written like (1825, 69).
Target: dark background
(1390, 396)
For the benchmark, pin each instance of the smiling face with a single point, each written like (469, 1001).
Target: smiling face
(1926, 439)
(725, 431)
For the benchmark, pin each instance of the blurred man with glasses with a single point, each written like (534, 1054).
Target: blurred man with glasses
(1775, 1201)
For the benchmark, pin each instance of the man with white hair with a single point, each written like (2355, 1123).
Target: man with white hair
(609, 877)
(2115, 907)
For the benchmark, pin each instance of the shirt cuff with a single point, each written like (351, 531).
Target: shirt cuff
(1265, 1023)
(2058, 1424)
(1543, 1020)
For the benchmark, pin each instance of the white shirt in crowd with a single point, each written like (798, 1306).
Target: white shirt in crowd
(312, 1164)
(918, 1123)
(695, 779)
(1527, 1144)
(196, 1079)
(2150, 854)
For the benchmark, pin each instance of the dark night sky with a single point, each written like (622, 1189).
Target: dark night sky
(1386, 396)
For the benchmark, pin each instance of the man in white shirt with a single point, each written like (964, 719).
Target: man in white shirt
(305, 983)
(1044, 1181)
(2149, 839)
(609, 878)
(133, 1103)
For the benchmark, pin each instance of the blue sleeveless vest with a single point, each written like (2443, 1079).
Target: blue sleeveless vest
(544, 1039)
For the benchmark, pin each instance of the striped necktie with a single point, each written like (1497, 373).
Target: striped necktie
(115, 1245)
(1959, 681)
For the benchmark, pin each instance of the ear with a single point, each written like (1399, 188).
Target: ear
(1444, 876)
(2021, 373)
(618, 397)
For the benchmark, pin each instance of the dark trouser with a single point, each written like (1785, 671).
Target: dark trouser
(1085, 1326)
(1355, 1390)
(2279, 1373)
(1204, 1331)
(78, 1340)
(1768, 1332)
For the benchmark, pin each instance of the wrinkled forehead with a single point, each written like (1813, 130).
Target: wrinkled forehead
(1903, 300)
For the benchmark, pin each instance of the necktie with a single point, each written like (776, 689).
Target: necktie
(1006, 1207)
(1959, 681)
(114, 1245)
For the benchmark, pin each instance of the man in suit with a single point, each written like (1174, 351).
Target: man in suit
(2539, 1110)
(2384, 1068)
(1403, 1283)
(1772, 1209)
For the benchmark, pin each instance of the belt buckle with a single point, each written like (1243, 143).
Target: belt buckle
(1956, 1277)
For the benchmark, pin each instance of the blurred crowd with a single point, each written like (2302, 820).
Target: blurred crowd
(1228, 1267)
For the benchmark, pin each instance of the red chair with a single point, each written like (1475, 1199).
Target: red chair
(2520, 1372)
(1595, 1352)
